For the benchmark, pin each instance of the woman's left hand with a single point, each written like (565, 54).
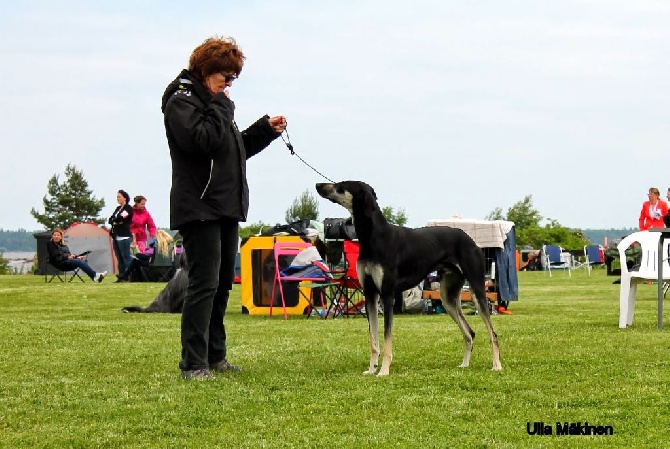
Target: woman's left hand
(278, 123)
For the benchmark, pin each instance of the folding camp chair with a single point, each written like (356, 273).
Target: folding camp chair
(551, 257)
(284, 253)
(348, 298)
(594, 255)
(56, 272)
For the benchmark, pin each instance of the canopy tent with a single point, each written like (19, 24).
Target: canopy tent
(80, 237)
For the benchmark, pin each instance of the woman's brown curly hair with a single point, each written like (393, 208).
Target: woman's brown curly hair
(216, 55)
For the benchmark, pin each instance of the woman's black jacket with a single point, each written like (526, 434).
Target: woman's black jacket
(120, 221)
(57, 253)
(208, 153)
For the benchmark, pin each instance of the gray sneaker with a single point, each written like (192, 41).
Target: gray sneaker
(197, 374)
(223, 366)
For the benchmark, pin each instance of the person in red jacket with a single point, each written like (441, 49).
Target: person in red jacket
(653, 211)
(142, 222)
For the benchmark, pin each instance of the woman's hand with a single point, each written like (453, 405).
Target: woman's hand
(278, 123)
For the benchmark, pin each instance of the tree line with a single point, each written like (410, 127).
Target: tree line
(71, 200)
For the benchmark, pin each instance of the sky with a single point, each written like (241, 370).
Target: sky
(447, 108)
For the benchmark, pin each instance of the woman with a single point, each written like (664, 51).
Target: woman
(653, 211)
(146, 257)
(121, 235)
(209, 194)
(61, 258)
(142, 222)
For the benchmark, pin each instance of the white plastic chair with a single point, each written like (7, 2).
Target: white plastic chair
(646, 272)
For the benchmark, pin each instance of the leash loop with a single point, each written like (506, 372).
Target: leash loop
(289, 145)
(287, 141)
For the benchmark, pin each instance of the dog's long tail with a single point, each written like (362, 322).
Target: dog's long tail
(133, 309)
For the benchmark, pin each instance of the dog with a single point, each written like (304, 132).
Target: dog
(397, 258)
(171, 298)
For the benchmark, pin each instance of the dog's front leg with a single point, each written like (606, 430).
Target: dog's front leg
(388, 340)
(373, 323)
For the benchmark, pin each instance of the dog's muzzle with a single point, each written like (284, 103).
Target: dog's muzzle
(324, 189)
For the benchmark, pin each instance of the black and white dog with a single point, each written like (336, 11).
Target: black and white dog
(397, 258)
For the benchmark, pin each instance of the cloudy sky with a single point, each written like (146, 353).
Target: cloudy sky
(445, 107)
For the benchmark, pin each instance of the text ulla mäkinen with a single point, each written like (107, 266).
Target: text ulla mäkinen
(567, 428)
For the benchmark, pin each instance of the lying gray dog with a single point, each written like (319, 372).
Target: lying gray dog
(171, 298)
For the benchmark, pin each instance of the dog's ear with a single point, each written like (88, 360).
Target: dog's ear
(367, 188)
(370, 199)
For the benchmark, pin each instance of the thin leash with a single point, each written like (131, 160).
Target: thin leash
(289, 145)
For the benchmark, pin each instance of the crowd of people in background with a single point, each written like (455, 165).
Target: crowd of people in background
(131, 229)
(134, 237)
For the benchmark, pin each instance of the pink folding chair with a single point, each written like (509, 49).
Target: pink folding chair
(289, 250)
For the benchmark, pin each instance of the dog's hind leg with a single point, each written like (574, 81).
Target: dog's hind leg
(474, 270)
(451, 283)
(481, 302)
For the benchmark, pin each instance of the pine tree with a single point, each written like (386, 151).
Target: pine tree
(304, 207)
(69, 202)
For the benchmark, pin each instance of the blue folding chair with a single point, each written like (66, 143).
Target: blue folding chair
(594, 256)
(551, 258)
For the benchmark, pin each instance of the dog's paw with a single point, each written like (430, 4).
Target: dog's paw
(369, 372)
(463, 365)
(383, 373)
(496, 368)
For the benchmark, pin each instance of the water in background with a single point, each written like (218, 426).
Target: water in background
(20, 261)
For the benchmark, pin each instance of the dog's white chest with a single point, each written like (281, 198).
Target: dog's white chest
(373, 270)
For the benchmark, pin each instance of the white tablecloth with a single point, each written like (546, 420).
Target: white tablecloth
(486, 234)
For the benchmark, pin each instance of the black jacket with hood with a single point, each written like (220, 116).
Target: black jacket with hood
(208, 153)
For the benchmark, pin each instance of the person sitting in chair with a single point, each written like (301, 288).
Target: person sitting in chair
(61, 258)
(144, 259)
(533, 263)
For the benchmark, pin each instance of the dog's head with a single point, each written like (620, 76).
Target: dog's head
(348, 194)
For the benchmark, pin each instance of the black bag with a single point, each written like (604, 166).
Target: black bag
(296, 228)
(339, 229)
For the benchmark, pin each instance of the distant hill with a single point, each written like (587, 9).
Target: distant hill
(17, 241)
(597, 236)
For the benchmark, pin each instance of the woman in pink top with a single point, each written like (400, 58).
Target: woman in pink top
(653, 211)
(142, 222)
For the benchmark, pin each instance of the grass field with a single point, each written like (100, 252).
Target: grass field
(76, 372)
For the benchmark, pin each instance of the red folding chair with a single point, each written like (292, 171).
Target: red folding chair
(284, 253)
(348, 298)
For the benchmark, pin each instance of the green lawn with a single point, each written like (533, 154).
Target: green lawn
(76, 372)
